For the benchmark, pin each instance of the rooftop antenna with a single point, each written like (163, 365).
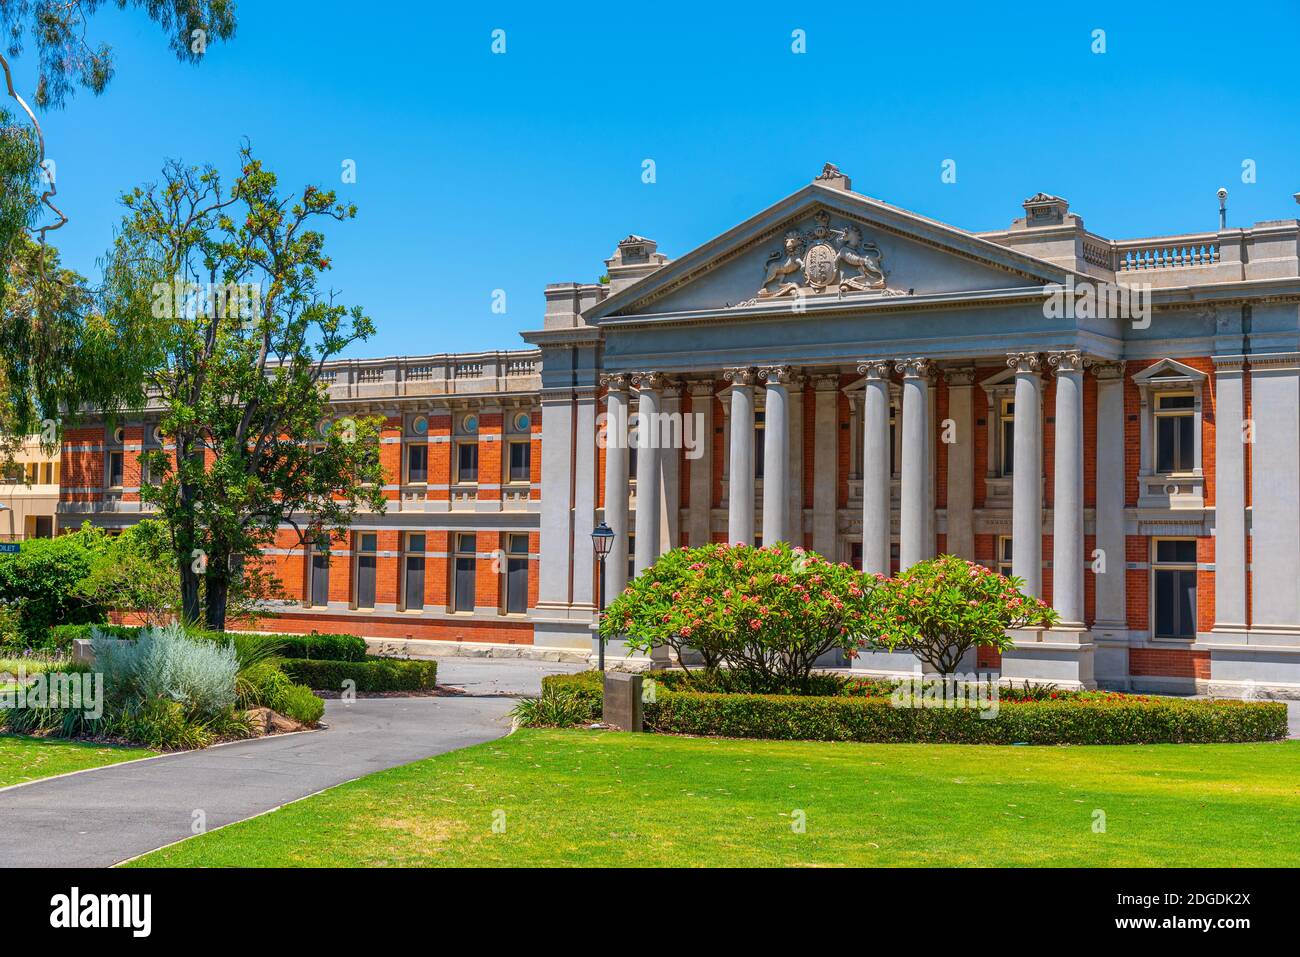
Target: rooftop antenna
(1223, 208)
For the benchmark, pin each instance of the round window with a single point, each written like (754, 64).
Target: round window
(420, 425)
(119, 436)
(157, 435)
(470, 423)
(522, 422)
(324, 428)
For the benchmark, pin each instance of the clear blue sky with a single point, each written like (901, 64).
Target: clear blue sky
(479, 171)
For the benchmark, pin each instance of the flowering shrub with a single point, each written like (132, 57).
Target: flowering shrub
(765, 613)
(942, 607)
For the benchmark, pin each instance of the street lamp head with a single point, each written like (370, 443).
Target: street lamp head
(602, 539)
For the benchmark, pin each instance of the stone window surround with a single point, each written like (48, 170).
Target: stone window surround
(1180, 489)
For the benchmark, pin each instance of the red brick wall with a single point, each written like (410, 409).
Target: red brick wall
(1169, 662)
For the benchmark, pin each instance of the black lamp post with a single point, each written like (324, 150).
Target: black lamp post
(602, 540)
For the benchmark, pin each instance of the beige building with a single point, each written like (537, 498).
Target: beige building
(29, 494)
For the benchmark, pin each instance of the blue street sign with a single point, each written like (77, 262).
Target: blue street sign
(10, 548)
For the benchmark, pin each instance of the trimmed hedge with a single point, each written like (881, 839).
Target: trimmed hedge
(62, 636)
(1126, 720)
(372, 674)
(331, 647)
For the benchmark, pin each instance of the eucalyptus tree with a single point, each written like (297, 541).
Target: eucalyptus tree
(217, 292)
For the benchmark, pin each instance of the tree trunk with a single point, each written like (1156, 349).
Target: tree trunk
(218, 594)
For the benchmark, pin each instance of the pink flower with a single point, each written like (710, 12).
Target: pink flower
(754, 623)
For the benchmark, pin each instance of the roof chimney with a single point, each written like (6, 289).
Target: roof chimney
(634, 258)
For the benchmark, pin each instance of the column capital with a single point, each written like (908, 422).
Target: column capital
(1106, 370)
(649, 381)
(700, 387)
(874, 368)
(959, 375)
(1065, 361)
(1025, 362)
(616, 381)
(913, 368)
(826, 382)
(776, 375)
(741, 375)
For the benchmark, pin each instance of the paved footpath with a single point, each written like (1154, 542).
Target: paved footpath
(106, 815)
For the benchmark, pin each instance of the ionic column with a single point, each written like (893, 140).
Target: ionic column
(776, 454)
(1111, 609)
(875, 467)
(916, 461)
(1027, 464)
(649, 386)
(740, 492)
(616, 482)
(961, 464)
(1067, 499)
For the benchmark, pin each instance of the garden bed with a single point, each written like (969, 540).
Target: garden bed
(866, 712)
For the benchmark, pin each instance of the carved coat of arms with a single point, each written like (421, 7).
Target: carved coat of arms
(824, 259)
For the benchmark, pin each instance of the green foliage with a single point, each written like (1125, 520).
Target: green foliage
(941, 607)
(558, 707)
(299, 703)
(768, 612)
(219, 296)
(1111, 720)
(66, 57)
(136, 571)
(329, 646)
(41, 581)
(373, 674)
(585, 688)
(164, 663)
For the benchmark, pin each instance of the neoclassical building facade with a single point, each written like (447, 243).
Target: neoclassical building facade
(1117, 422)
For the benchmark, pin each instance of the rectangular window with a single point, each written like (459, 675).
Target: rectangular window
(631, 559)
(516, 574)
(1175, 433)
(893, 441)
(44, 527)
(1007, 434)
(521, 459)
(466, 462)
(33, 473)
(366, 567)
(759, 444)
(48, 473)
(855, 555)
(464, 573)
(114, 469)
(1174, 574)
(320, 578)
(417, 463)
(1002, 561)
(413, 572)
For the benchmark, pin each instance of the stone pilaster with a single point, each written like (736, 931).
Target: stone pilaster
(698, 519)
(616, 481)
(649, 387)
(670, 468)
(1111, 607)
(961, 463)
(825, 462)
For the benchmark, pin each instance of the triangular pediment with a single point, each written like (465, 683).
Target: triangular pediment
(1170, 370)
(827, 245)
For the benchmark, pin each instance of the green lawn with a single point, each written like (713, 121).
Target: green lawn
(26, 759)
(604, 798)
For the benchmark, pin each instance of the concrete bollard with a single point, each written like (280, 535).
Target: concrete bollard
(623, 700)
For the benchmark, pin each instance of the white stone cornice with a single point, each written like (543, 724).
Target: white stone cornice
(1025, 362)
(913, 367)
(743, 375)
(874, 368)
(1066, 361)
